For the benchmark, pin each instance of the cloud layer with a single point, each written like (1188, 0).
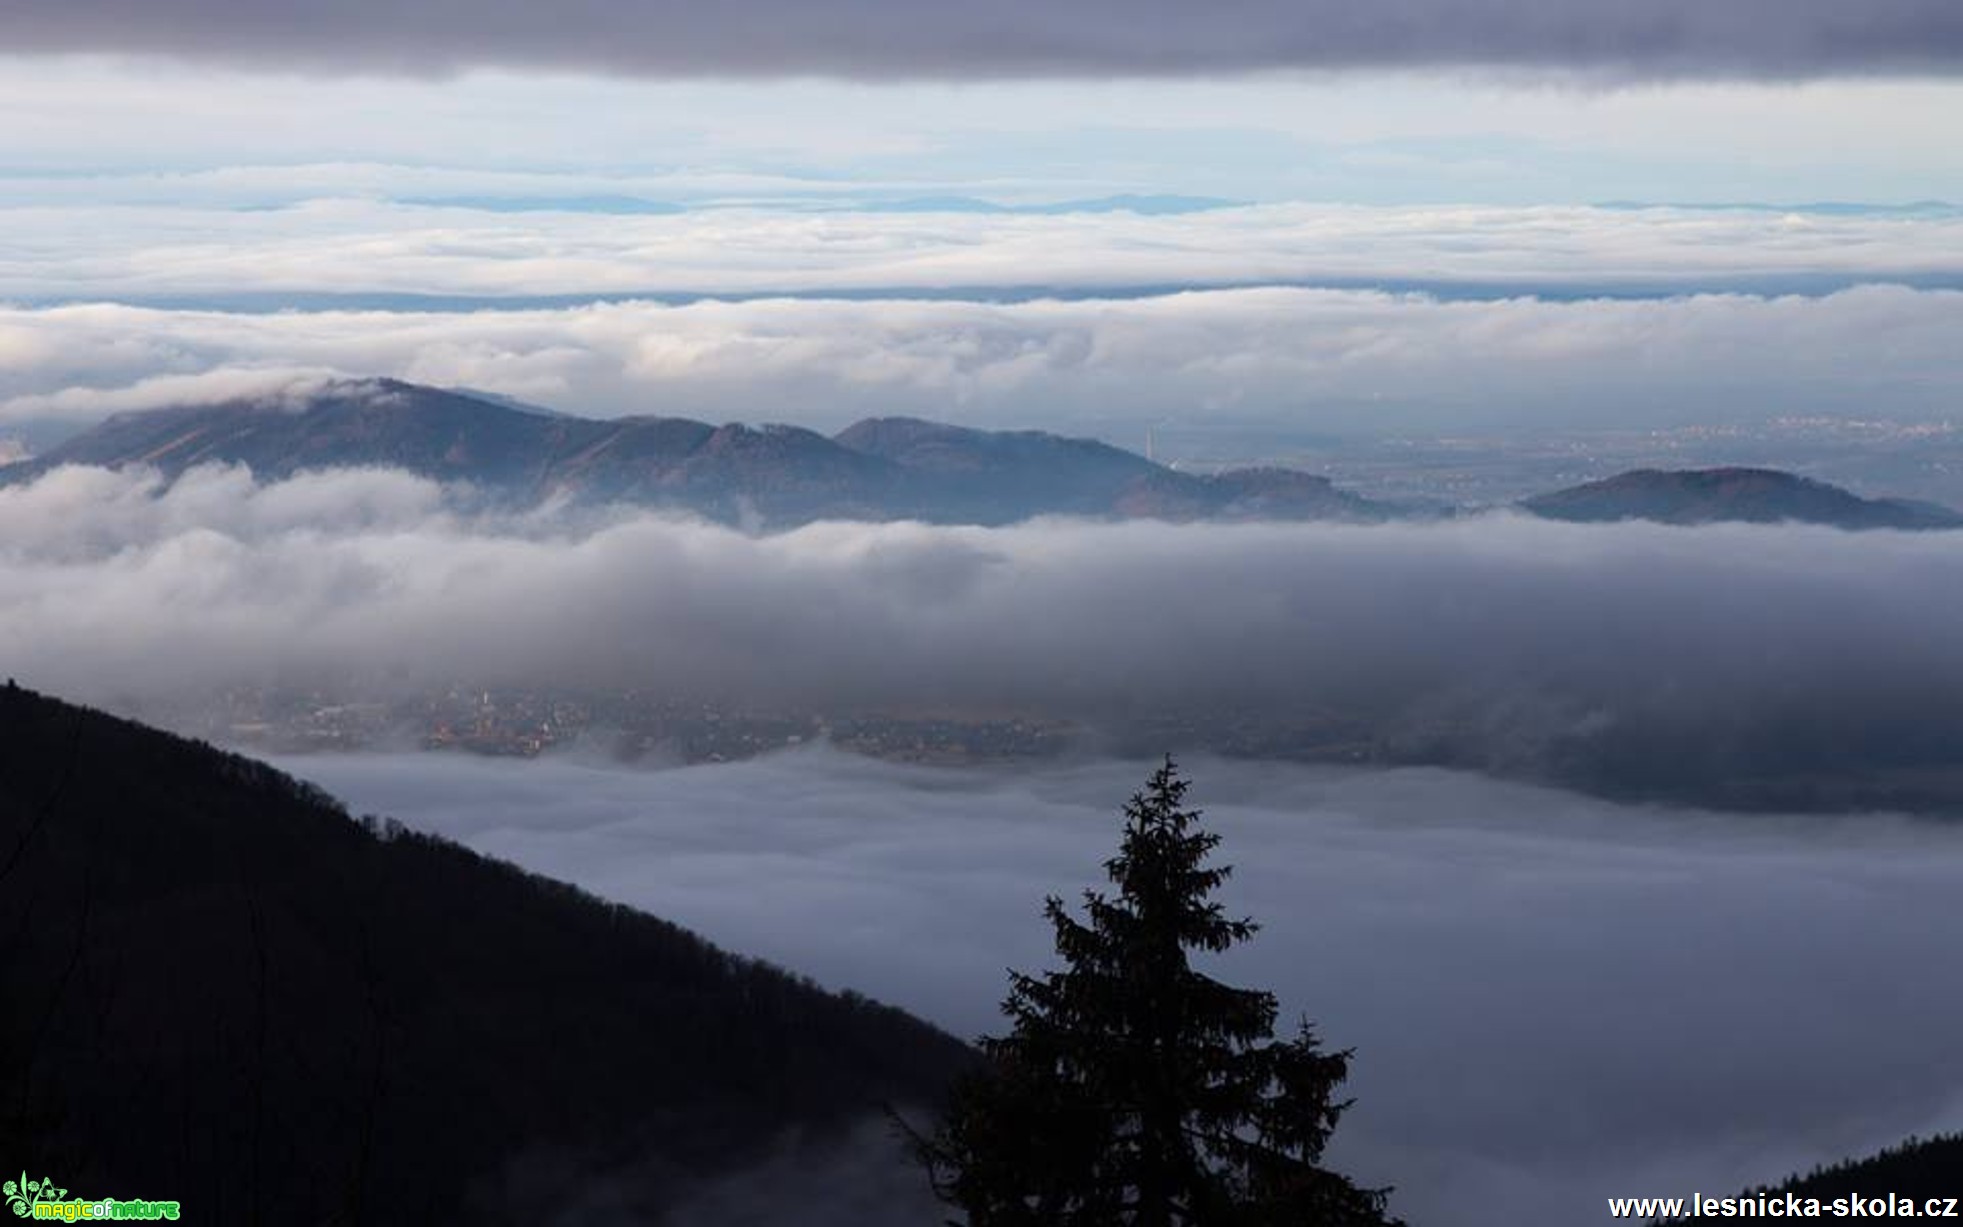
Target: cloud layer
(1455, 319)
(1553, 1000)
(1279, 359)
(94, 131)
(1624, 656)
(883, 39)
(353, 247)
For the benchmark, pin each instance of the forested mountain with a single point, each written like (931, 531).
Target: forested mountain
(890, 468)
(974, 471)
(878, 469)
(778, 473)
(1704, 496)
(224, 990)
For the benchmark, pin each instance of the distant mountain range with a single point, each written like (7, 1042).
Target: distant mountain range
(877, 469)
(225, 990)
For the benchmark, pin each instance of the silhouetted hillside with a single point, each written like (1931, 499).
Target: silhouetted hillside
(1703, 496)
(224, 990)
(777, 474)
(879, 469)
(1919, 1169)
(449, 436)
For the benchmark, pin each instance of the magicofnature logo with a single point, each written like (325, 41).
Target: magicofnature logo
(43, 1199)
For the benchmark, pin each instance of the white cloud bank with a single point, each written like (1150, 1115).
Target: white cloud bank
(368, 247)
(1623, 655)
(1554, 1000)
(1282, 359)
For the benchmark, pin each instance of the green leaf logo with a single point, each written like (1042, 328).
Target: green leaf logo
(23, 1193)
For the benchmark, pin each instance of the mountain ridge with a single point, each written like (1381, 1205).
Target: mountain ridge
(879, 468)
(777, 475)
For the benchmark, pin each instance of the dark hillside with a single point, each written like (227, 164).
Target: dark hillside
(959, 474)
(381, 423)
(224, 990)
(762, 477)
(1709, 496)
(1919, 1169)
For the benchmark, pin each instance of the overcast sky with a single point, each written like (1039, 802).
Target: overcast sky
(944, 38)
(471, 156)
(216, 132)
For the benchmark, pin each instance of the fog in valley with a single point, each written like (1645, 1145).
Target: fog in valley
(1629, 659)
(1552, 999)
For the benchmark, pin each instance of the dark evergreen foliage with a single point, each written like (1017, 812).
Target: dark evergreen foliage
(1133, 1089)
(1918, 1168)
(220, 988)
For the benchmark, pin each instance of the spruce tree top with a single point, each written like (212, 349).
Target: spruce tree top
(1134, 1088)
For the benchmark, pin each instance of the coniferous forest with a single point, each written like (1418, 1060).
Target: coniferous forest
(223, 989)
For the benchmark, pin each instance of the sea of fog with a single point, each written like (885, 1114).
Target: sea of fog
(1553, 999)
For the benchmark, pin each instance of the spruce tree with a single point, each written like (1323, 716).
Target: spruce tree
(1135, 1090)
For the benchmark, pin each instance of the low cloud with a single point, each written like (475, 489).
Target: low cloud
(1280, 359)
(943, 40)
(269, 385)
(1629, 656)
(1553, 1000)
(366, 247)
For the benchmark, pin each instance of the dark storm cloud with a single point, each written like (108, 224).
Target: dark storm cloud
(1553, 999)
(948, 39)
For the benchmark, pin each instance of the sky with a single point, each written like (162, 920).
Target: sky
(144, 129)
(746, 214)
(881, 39)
